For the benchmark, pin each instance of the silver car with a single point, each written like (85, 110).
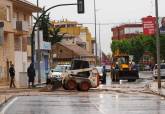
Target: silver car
(162, 71)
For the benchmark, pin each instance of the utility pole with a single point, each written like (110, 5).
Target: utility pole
(95, 30)
(157, 43)
(100, 44)
(38, 49)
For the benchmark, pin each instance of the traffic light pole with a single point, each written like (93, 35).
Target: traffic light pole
(35, 24)
(38, 54)
(157, 43)
(95, 31)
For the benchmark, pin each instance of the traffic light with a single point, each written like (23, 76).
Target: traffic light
(80, 6)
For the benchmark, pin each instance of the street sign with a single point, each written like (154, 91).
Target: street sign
(80, 6)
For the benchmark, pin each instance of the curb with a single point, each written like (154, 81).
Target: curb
(6, 100)
(157, 92)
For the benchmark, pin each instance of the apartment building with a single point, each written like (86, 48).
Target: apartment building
(75, 33)
(126, 31)
(77, 42)
(15, 30)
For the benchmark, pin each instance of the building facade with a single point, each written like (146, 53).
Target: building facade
(16, 16)
(75, 33)
(126, 31)
(77, 43)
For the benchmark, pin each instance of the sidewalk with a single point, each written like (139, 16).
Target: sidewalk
(154, 88)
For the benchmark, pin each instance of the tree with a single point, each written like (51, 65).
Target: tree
(136, 49)
(44, 24)
(50, 33)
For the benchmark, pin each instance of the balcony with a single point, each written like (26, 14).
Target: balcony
(20, 25)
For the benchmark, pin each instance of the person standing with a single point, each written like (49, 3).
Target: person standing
(104, 75)
(31, 75)
(117, 68)
(12, 75)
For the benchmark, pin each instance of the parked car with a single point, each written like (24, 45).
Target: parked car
(162, 71)
(54, 74)
(147, 68)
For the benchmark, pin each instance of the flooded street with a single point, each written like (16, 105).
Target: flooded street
(127, 98)
(87, 103)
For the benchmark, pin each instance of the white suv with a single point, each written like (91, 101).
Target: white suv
(57, 71)
(162, 71)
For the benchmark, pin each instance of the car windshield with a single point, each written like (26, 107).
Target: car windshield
(59, 68)
(122, 60)
(161, 66)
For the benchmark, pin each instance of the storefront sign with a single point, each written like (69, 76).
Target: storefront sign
(45, 45)
(149, 25)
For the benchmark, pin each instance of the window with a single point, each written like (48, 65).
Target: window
(8, 13)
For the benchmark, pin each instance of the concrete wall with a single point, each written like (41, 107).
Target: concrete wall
(20, 64)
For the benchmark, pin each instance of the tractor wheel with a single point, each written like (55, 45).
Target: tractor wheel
(70, 84)
(84, 86)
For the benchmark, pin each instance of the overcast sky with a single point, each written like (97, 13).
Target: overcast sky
(112, 12)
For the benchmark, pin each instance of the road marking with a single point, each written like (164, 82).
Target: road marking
(8, 105)
(97, 107)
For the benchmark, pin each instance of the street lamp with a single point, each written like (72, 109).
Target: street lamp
(157, 42)
(95, 30)
(38, 49)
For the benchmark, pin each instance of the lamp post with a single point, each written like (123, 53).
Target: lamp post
(100, 44)
(157, 43)
(35, 25)
(38, 49)
(95, 31)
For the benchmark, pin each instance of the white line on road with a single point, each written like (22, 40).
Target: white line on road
(8, 105)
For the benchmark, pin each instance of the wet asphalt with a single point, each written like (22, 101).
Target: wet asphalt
(87, 103)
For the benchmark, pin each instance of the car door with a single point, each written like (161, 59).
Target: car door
(162, 70)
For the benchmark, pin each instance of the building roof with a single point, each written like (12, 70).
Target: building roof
(77, 50)
(127, 25)
(26, 4)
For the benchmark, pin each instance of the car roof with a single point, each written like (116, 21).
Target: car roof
(161, 64)
(63, 65)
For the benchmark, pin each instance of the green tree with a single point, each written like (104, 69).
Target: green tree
(136, 49)
(50, 33)
(44, 25)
